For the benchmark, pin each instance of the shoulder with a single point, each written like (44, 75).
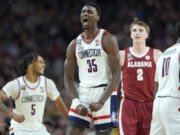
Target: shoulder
(110, 42)
(48, 80)
(157, 51)
(71, 45)
(122, 57)
(156, 54)
(70, 53)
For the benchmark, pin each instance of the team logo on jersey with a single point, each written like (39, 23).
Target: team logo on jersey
(42, 89)
(97, 42)
(79, 42)
(129, 56)
(23, 87)
(147, 57)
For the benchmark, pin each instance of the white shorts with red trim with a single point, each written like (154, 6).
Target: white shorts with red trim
(102, 118)
(15, 131)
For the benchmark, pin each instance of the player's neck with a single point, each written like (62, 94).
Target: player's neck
(89, 34)
(31, 76)
(139, 48)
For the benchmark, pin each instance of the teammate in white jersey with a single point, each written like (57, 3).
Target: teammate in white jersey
(30, 91)
(166, 110)
(95, 52)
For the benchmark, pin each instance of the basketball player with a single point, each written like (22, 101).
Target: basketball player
(95, 52)
(30, 91)
(166, 109)
(138, 65)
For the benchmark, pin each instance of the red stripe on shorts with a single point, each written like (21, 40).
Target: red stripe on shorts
(74, 111)
(11, 129)
(102, 117)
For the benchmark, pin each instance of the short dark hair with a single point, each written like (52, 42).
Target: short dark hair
(136, 21)
(178, 30)
(98, 9)
(23, 64)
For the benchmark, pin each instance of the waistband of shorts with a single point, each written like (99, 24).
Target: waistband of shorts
(138, 100)
(168, 97)
(101, 85)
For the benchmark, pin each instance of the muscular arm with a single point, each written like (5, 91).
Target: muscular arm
(61, 107)
(111, 47)
(69, 69)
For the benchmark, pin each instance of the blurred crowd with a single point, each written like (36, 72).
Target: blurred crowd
(48, 26)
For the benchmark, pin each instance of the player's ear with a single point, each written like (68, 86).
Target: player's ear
(97, 18)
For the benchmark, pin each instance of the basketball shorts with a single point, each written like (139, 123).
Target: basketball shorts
(14, 131)
(134, 117)
(166, 116)
(106, 117)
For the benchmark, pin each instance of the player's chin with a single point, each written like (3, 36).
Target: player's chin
(85, 27)
(41, 72)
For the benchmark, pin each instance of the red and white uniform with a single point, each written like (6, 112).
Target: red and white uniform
(138, 85)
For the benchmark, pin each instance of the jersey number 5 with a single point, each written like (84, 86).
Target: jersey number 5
(92, 66)
(139, 74)
(33, 109)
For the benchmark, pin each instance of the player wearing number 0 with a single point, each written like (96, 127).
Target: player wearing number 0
(95, 52)
(30, 91)
(166, 109)
(138, 65)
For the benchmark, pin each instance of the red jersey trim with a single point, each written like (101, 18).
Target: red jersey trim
(102, 117)
(88, 42)
(46, 85)
(39, 80)
(19, 89)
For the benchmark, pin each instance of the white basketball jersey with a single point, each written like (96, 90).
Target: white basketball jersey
(92, 61)
(167, 72)
(31, 103)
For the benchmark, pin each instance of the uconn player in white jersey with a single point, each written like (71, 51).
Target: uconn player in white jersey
(166, 111)
(95, 52)
(30, 91)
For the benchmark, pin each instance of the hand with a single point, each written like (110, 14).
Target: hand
(16, 117)
(96, 106)
(82, 110)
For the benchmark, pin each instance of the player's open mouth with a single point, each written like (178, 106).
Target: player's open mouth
(85, 20)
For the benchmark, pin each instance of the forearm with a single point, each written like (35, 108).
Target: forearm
(4, 108)
(71, 89)
(110, 88)
(61, 107)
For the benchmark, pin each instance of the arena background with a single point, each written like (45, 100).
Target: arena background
(47, 26)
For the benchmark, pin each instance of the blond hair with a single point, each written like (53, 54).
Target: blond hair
(136, 21)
